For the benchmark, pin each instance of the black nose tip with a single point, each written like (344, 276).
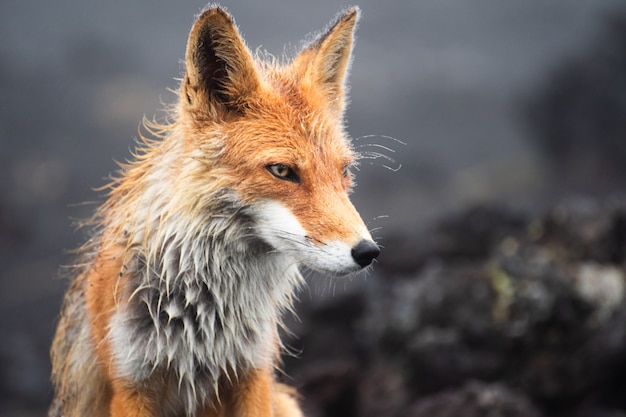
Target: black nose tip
(364, 252)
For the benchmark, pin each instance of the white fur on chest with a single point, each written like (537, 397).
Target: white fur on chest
(204, 311)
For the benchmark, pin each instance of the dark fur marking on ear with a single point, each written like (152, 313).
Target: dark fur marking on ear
(212, 68)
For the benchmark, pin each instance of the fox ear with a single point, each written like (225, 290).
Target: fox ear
(220, 73)
(324, 64)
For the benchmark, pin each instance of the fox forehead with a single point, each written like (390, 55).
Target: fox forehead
(288, 132)
(297, 150)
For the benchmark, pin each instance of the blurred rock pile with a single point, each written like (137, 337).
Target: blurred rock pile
(489, 313)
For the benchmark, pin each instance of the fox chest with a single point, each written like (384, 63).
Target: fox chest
(193, 332)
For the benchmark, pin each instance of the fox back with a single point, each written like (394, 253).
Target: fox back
(196, 251)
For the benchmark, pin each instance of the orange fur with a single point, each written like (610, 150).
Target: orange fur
(197, 217)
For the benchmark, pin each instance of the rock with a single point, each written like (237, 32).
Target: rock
(475, 400)
(502, 315)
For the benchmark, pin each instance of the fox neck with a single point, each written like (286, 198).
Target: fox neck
(204, 296)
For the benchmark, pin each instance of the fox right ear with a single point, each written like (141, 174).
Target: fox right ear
(220, 73)
(325, 63)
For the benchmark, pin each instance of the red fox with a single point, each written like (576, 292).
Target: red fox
(196, 251)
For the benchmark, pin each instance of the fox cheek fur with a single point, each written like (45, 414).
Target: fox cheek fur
(176, 301)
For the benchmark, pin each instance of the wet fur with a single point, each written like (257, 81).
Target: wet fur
(175, 306)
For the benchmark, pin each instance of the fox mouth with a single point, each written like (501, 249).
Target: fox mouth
(336, 273)
(331, 272)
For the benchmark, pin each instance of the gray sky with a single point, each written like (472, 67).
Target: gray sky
(443, 76)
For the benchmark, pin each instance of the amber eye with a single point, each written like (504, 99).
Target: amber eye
(283, 172)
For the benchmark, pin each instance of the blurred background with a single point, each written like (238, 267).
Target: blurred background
(471, 102)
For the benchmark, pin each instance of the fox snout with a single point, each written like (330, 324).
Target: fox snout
(336, 255)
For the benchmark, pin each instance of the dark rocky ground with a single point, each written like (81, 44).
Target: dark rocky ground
(490, 313)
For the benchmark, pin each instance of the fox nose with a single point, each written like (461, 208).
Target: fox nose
(364, 252)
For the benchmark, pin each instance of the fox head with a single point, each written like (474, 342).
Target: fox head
(274, 135)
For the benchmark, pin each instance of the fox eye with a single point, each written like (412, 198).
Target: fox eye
(283, 172)
(346, 172)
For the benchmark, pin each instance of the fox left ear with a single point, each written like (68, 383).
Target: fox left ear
(325, 63)
(220, 73)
